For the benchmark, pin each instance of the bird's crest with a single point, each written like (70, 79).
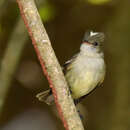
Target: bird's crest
(93, 37)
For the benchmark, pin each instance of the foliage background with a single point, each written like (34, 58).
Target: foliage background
(65, 21)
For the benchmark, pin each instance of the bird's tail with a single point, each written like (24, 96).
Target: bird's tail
(46, 97)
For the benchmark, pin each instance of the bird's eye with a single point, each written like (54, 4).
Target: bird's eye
(95, 43)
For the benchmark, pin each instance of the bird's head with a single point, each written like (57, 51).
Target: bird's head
(92, 42)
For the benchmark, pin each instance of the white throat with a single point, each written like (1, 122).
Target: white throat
(89, 50)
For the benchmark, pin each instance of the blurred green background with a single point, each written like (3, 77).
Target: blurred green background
(21, 77)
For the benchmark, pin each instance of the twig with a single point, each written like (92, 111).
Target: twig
(50, 65)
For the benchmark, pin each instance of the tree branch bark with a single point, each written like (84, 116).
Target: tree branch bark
(50, 65)
(12, 55)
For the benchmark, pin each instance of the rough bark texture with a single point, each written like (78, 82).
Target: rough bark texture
(50, 65)
(12, 56)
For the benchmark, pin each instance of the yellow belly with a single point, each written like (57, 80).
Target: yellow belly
(84, 83)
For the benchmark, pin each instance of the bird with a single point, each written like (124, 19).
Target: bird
(85, 71)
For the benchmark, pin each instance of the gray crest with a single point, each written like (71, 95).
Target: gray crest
(92, 37)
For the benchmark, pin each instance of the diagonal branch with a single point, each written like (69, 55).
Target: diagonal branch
(12, 55)
(50, 65)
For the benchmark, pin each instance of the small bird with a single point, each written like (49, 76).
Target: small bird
(84, 71)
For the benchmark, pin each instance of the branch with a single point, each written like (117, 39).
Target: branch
(50, 65)
(12, 55)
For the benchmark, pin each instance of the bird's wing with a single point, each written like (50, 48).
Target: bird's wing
(66, 65)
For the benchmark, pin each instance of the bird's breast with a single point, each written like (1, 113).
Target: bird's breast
(84, 75)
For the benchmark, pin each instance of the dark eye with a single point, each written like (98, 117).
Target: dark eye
(95, 43)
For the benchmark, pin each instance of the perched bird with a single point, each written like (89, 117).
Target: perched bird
(84, 71)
